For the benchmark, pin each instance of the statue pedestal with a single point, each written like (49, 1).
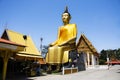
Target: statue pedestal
(69, 70)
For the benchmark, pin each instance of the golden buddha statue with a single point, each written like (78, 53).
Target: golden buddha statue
(66, 41)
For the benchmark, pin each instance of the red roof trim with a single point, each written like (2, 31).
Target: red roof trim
(114, 62)
(10, 42)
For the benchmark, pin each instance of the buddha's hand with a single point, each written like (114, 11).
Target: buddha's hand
(63, 44)
(50, 45)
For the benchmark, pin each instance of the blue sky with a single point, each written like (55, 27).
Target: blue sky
(99, 20)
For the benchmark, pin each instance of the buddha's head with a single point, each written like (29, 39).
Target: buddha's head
(66, 16)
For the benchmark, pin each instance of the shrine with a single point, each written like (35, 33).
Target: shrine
(16, 47)
(90, 54)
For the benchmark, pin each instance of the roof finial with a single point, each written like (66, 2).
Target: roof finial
(6, 25)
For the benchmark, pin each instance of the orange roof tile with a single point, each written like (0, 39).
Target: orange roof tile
(10, 42)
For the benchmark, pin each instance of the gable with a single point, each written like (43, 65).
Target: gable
(84, 45)
(4, 35)
(18, 38)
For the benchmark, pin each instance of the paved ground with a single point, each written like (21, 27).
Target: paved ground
(90, 74)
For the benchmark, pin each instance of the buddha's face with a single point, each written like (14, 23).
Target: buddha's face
(65, 18)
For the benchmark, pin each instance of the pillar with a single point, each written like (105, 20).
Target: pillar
(85, 59)
(97, 60)
(5, 62)
(93, 60)
(88, 59)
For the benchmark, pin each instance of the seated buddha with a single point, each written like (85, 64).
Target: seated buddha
(66, 41)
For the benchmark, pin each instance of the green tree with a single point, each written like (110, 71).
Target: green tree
(118, 54)
(111, 54)
(103, 56)
(44, 51)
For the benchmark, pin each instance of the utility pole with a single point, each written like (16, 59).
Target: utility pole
(108, 60)
(41, 39)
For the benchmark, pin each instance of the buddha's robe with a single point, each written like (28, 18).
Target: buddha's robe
(58, 53)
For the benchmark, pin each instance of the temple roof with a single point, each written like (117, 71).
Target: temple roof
(10, 42)
(84, 45)
(19, 38)
(9, 45)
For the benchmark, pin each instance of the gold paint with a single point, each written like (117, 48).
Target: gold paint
(58, 50)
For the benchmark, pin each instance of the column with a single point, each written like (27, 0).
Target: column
(97, 60)
(85, 59)
(5, 62)
(88, 59)
(93, 60)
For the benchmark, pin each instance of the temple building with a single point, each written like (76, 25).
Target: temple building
(90, 54)
(29, 52)
(7, 49)
(16, 48)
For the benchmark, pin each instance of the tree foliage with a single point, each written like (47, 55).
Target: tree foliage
(44, 51)
(111, 54)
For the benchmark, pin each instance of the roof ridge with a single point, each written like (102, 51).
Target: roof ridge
(91, 46)
(15, 32)
(86, 39)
